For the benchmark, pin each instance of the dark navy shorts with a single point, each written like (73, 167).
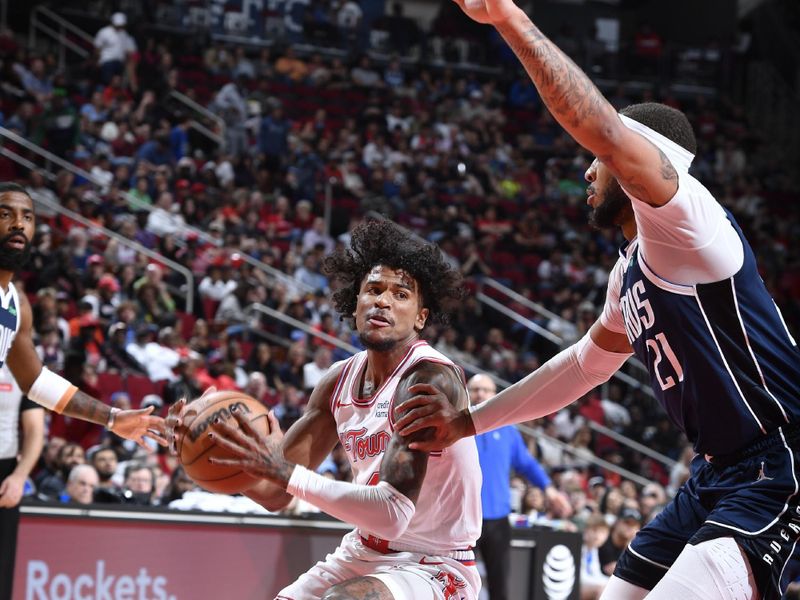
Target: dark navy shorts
(751, 496)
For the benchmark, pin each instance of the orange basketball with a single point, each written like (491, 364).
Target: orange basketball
(195, 447)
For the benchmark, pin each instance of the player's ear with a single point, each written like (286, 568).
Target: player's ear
(422, 317)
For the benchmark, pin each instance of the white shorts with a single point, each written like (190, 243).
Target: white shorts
(407, 575)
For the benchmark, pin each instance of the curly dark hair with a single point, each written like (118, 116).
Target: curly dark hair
(382, 242)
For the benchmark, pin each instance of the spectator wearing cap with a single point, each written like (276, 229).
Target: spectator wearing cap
(624, 529)
(114, 47)
(108, 289)
(498, 452)
(115, 354)
(95, 267)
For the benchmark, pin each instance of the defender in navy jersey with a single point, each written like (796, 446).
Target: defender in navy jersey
(686, 297)
(17, 225)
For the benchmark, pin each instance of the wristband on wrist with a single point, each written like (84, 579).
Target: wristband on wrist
(112, 417)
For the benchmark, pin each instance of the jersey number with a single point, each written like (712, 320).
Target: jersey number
(660, 347)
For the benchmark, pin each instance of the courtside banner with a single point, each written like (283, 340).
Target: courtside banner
(73, 554)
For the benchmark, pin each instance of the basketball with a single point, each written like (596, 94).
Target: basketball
(195, 448)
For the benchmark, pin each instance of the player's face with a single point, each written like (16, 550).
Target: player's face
(389, 310)
(17, 225)
(610, 206)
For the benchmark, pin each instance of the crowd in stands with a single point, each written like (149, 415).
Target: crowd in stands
(474, 164)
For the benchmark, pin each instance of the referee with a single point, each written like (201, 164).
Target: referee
(16, 462)
(499, 451)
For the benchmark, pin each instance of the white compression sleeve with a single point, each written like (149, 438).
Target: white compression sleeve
(558, 382)
(379, 509)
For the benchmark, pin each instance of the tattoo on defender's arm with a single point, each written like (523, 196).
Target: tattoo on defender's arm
(632, 184)
(563, 86)
(85, 407)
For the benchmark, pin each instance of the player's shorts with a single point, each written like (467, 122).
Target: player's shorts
(751, 496)
(407, 575)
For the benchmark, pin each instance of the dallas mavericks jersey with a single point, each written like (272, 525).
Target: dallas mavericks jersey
(9, 320)
(721, 360)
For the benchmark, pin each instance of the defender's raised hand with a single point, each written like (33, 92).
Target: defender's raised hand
(490, 12)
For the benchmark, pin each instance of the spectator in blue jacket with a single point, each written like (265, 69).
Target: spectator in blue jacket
(499, 451)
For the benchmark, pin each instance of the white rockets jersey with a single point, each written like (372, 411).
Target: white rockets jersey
(9, 320)
(448, 510)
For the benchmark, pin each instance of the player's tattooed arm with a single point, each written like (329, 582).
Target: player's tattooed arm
(566, 90)
(581, 109)
(402, 467)
(83, 406)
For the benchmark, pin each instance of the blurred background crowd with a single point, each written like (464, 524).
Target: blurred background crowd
(235, 167)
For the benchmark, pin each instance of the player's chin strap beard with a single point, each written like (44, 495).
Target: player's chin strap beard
(12, 259)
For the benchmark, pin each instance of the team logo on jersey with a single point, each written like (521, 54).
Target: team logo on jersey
(359, 445)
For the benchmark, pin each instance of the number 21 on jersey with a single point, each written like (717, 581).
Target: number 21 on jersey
(661, 349)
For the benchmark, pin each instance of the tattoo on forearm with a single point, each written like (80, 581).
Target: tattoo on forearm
(564, 87)
(85, 407)
(275, 464)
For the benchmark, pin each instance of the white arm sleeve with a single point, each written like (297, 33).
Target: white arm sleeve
(558, 382)
(379, 509)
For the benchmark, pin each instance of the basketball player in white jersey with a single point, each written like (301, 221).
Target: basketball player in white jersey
(417, 515)
(50, 390)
